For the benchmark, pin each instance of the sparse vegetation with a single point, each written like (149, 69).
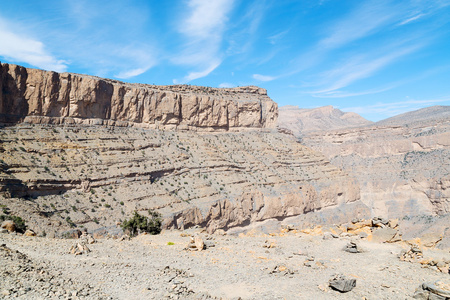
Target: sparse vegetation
(139, 223)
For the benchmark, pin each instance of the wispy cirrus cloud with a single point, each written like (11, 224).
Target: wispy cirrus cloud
(203, 31)
(389, 109)
(85, 36)
(411, 19)
(367, 19)
(263, 77)
(357, 68)
(20, 48)
(354, 32)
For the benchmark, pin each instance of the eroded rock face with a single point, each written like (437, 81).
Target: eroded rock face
(44, 97)
(96, 176)
(401, 164)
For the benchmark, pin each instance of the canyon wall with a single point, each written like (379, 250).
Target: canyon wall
(95, 176)
(37, 96)
(81, 151)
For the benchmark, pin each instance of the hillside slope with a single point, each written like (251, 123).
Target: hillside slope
(402, 164)
(302, 121)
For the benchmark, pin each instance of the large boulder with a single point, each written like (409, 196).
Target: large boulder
(433, 290)
(385, 235)
(9, 225)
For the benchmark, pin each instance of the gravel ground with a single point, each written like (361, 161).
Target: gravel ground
(281, 266)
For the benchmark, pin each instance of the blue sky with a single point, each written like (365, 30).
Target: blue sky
(377, 58)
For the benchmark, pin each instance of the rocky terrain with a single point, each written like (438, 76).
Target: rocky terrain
(401, 164)
(85, 152)
(82, 154)
(302, 121)
(329, 262)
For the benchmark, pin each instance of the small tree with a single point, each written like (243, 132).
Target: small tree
(139, 223)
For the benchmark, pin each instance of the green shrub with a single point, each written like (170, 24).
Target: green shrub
(139, 223)
(20, 223)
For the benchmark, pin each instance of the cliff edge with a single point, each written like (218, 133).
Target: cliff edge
(45, 97)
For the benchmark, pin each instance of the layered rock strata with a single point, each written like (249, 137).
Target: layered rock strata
(94, 176)
(37, 96)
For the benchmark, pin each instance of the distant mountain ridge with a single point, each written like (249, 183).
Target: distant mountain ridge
(401, 163)
(304, 120)
(434, 113)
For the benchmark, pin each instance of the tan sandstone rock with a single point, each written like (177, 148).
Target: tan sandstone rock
(9, 225)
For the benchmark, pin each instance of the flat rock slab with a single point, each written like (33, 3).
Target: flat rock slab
(342, 284)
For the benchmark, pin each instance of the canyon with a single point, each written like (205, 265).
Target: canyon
(83, 152)
(256, 202)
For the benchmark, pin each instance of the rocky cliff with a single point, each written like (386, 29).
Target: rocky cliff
(402, 164)
(38, 96)
(80, 151)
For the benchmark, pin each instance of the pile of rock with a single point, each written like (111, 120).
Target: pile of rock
(269, 244)
(312, 262)
(353, 247)
(196, 244)
(87, 238)
(287, 228)
(376, 229)
(283, 270)
(79, 248)
(415, 254)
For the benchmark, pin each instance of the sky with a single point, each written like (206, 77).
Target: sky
(376, 58)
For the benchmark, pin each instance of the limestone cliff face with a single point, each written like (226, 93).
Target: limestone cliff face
(37, 96)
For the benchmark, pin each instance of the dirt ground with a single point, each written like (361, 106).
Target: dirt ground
(282, 266)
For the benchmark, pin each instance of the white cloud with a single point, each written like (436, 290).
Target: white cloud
(131, 73)
(22, 49)
(203, 30)
(98, 41)
(344, 94)
(357, 68)
(199, 74)
(366, 20)
(276, 37)
(207, 18)
(394, 108)
(263, 77)
(409, 20)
